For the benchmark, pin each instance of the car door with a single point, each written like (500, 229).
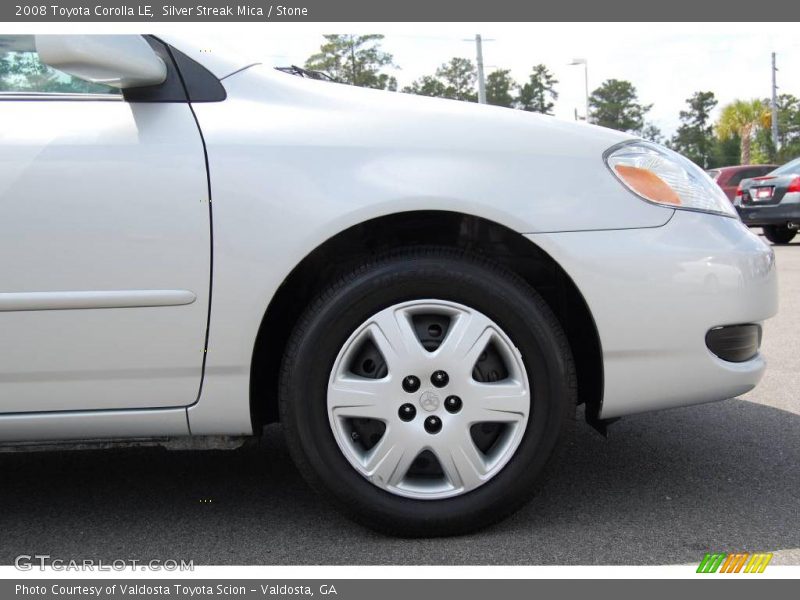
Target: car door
(105, 244)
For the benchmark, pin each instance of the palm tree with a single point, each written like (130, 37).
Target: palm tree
(743, 118)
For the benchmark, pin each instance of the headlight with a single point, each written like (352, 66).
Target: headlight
(664, 177)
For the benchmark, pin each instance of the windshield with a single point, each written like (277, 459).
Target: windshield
(790, 168)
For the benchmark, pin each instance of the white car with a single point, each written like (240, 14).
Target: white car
(421, 291)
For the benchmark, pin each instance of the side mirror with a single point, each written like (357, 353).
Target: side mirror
(120, 61)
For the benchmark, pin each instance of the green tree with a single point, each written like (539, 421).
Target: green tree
(743, 118)
(428, 85)
(538, 94)
(500, 87)
(726, 152)
(788, 127)
(652, 133)
(695, 135)
(459, 76)
(763, 150)
(23, 71)
(454, 79)
(615, 104)
(355, 59)
(5, 71)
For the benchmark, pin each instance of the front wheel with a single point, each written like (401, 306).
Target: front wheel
(779, 234)
(425, 392)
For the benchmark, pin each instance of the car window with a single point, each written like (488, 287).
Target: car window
(738, 176)
(753, 172)
(22, 72)
(763, 170)
(790, 168)
(713, 173)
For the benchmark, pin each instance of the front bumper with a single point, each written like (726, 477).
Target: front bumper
(788, 211)
(655, 293)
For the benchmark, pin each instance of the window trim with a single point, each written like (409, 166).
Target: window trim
(59, 96)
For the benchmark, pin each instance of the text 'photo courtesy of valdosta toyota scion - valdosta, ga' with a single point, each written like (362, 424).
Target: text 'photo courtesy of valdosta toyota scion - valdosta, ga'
(178, 590)
(148, 11)
(390, 281)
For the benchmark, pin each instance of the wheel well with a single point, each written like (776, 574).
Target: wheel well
(488, 238)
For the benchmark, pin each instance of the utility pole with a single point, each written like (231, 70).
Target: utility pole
(585, 63)
(774, 104)
(586, 88)
(481, 78)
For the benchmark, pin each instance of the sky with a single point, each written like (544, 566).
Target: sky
(667, 62)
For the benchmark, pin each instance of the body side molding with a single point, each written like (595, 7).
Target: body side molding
(23, 301)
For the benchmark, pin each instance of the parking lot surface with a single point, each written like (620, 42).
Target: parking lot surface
(664, 488)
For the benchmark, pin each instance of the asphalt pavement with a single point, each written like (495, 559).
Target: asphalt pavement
(664, 488)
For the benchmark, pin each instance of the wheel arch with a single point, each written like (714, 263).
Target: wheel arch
(423, 227)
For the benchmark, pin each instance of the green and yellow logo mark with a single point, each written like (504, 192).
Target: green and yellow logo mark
(737, 562)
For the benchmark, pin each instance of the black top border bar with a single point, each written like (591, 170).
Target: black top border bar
(321, 11)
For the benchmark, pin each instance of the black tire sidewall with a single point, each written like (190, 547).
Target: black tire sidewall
(778, 234)
(503, 298)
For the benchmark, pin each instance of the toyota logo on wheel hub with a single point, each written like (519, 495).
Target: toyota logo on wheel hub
(429, 400)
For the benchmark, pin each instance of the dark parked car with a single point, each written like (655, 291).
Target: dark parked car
(772, 202)
(728, 178)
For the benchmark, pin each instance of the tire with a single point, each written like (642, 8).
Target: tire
(404, 281)
(779, 234)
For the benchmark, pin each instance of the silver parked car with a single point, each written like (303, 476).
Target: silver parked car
(421, 291)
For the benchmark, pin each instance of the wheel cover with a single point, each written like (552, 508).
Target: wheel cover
(368, 400)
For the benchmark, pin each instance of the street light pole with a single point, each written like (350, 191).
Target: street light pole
(774, 103)
(585, 63)
(481, 78)
(586, 88)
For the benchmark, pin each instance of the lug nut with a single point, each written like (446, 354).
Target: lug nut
(407, 412)
(433, 424)
(440, 378)
(411, 384)
(452, 404)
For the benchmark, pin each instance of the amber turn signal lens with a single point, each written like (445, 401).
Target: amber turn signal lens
(646, 183)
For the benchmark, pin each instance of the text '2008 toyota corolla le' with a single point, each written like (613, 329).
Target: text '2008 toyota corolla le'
(421, 291)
